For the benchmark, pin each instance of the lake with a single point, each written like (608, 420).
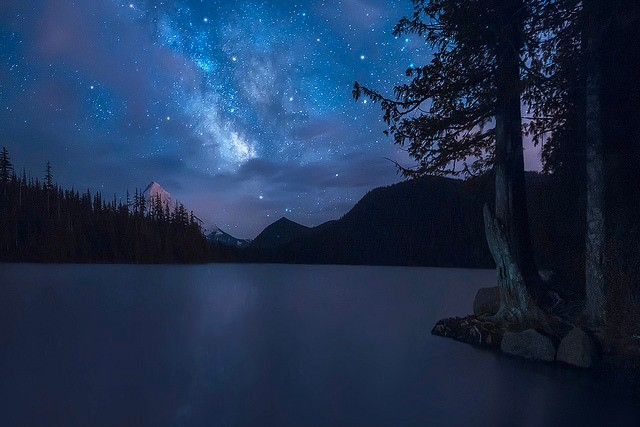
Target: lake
(261, 345)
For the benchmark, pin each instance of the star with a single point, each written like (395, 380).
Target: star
(242, 92)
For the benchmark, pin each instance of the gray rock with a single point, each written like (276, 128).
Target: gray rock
(471, 330)
(487, 301)
(529, 344)
(577, 349)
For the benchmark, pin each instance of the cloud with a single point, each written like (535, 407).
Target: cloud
(357, 18)
(116, 97)
(327, 126)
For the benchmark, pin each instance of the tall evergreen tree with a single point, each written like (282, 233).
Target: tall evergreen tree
(444, 117)
(6, 167)
(555, 100)
(576, 65)
(156, 208)
(594, 15)
(142, 205)
(6, 171)
(508, 231)
(48, 177)
(616, 31)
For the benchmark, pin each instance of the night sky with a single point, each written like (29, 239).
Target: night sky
(241, 109)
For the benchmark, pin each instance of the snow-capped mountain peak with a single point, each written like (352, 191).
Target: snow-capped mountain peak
(219, 236)
(214, 234)
(216, 231)
(154, 190)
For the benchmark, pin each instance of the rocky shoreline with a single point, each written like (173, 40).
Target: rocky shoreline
(566, 343)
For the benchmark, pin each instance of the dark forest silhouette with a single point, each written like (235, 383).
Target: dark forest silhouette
(409, 223)
(569, 64)
(41, 222)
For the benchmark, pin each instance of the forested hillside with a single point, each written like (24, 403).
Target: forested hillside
(437, 221)
(41, 222)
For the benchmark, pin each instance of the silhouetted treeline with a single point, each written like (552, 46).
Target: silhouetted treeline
(41, 222)
(432, 221)
(410, 223)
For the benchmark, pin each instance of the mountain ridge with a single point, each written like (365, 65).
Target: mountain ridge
(430, 221)
(220, 236)
(279, 233)
(425, 221)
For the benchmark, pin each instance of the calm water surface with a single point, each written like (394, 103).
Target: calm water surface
(260, 345)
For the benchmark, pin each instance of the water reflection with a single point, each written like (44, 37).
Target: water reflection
(266, 345)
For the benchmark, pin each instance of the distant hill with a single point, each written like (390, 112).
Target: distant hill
(428, 221)
(223, 238)
(279, 233)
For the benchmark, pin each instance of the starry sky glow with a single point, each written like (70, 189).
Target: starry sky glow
(241, 109)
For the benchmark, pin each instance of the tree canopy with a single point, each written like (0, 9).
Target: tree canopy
(565, 65)
(445, 115)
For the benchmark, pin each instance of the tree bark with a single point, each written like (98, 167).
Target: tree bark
(517, 305)
(595, 237)
(508, 231)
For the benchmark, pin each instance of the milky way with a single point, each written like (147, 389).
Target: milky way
(241, 109)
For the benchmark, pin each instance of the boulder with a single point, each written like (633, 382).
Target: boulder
(529, 344)
(471, 330)
(577, 348)
(487, 301)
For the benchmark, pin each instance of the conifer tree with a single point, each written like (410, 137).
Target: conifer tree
(6, 167)
(48, 177)
(444, 117)
(142, 205)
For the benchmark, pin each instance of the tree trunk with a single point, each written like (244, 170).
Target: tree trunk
(517, 305)
(594, 269)
(508, 231)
